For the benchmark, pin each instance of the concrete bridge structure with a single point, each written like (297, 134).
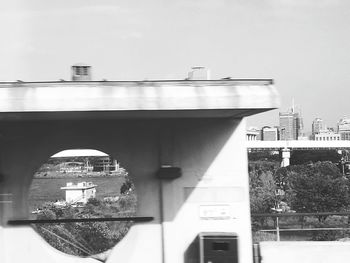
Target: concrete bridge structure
(196, 126)
(287, 146)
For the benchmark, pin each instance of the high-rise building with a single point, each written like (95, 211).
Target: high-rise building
(269, 133)
(344, 129)
(317, 126)
(299, 125)
(291, 125)
(287, 126)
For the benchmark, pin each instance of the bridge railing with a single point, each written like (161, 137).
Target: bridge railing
(276, 145)
(323, 226)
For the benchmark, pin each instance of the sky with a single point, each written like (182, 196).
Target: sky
(302, 44)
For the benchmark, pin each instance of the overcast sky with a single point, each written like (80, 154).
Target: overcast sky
(303, 44)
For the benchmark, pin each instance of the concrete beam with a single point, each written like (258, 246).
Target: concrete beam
(22, 100)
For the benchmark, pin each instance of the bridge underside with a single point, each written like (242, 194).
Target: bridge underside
(144, 126)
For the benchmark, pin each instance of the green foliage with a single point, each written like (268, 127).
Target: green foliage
(318, 188)
(315, 187)
(46, 214)
(264, 156)
(125, 203)
(263, 236)
(330, 235)
(262, 190)
(312, 156)
(126, 187)
(83, 239)
(94, 202)
(325, 235)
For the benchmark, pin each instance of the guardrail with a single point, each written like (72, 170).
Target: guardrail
(277, 216)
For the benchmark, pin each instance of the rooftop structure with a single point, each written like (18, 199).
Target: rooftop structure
(81, 72)
(199, 73)
(80, 192)
(78, 153)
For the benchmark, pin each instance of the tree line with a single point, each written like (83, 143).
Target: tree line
(313, 187)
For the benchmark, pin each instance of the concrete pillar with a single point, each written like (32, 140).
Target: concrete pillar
(285, 157)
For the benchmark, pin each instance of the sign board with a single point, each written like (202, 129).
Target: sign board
(215, 212)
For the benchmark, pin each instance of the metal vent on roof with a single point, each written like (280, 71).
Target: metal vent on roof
(81, 72)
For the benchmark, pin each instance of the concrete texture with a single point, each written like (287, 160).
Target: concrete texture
(23, 244)
(211, 195)
(305, 252)
(227, 96)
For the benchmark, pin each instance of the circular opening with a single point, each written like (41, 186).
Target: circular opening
(82, 184)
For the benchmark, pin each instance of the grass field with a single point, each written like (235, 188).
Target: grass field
(46, 190)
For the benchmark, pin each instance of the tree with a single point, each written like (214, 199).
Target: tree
(126, 187)
(313, 156)
(264, 156)
(88, 238)
(318, 188)
(262, 191)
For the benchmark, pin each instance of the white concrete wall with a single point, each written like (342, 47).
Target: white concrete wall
(74, 196)
(214, 163)
(210, 152)
(305, 252)
(23, 244)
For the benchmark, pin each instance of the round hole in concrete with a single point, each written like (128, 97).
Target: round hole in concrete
(84, 183)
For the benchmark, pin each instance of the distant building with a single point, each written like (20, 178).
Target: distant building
(320, 131)
(291, 125)
(269, 134)
(318, 126)
(79, 193)
(75, 167)
(344, 129)
(253, 134)
(287, 126)
(327, 136)
(105, 164)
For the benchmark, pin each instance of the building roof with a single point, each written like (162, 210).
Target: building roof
(81, 65)
(140, 99)
(78, 153)
(79, 186)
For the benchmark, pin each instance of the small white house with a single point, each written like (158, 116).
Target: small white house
(79, 193)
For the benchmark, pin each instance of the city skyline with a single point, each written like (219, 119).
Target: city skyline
(307, 129)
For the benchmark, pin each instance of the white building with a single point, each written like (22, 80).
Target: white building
(344, 128)
(318, 126)
(253, 134)
(327, 136)
(79, 193)
(269, 134)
